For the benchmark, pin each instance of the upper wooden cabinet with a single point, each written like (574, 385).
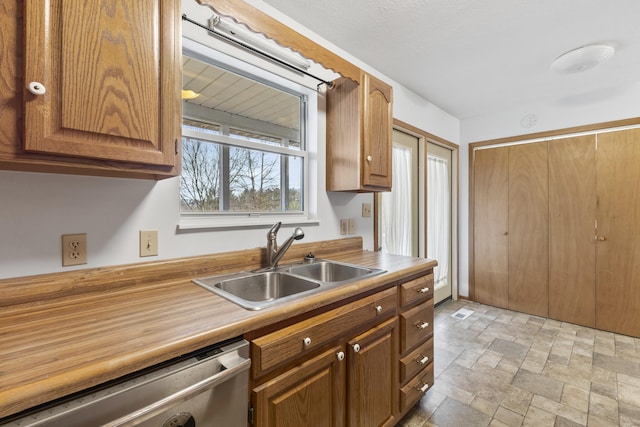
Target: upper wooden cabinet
(359, 127)
(109, 76)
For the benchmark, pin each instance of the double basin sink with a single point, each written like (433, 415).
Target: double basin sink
(262, 289)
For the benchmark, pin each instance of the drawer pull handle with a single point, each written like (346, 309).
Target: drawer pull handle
(341, 355)
(307, 341)
(378, 309)
(423, 325)
(423, 290)
(356, 348)
(424, 388)
(423, 361)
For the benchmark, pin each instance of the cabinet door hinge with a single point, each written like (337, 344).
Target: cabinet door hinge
(251, 415)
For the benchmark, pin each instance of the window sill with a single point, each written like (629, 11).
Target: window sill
(212, 223)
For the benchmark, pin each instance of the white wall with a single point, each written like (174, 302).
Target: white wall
(589, 109)
(37, 208)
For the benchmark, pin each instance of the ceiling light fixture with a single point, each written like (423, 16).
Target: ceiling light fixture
(189, 94)
(582, 59)
(257, 41)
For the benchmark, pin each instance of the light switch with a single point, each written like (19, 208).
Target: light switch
(148, 243)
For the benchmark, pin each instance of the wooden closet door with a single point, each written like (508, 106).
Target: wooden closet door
(491, 240)
(572, 213)
(618, 245)
(529, 229)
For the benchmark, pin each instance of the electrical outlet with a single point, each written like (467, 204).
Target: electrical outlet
(352, 226)
(148, 243)
(344, 227)
(74, 249)
(366, 210)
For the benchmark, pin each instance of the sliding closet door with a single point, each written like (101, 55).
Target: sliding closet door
(491, 240)
(529, 229)
(572, 213)
(618, 232)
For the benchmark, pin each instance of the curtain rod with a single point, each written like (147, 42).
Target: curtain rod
(254, 50)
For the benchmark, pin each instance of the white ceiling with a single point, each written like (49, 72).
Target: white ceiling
(476, 57)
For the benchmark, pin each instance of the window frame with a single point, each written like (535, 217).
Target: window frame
(308, 107)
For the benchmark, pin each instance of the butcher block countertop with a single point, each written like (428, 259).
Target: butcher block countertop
(61, 333)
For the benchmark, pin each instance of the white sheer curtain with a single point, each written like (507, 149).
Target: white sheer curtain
(439, 217)
(395, 217)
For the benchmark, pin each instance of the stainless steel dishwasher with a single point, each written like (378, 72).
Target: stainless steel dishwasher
(206, 388)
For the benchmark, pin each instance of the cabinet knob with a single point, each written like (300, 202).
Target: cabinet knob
(601, 238)
(340, 355)
(423, 290)
(307, 341)
(422, 325)
(369, 158)
(378, 309)
(423, 388)
(422, 361)
(37, 88)
(356, 347)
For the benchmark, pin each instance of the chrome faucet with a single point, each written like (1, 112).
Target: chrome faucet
(273, 253)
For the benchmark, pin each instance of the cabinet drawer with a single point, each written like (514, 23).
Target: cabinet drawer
(417, 360)
(282, 346)
(416, 325)
(420, 289)
(416, 388)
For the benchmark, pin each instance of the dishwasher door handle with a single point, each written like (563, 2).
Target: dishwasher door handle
(183, 395)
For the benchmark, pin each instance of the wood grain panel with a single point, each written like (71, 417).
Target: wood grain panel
(373, 376)
(112, 76)
(416, 325)
(529, 229)
(618, 257)
(310, 394)
(286, 344)
(491, 226)
(343, 136)
(572, 213)
(378, 120)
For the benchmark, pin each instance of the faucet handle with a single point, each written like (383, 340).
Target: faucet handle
(274, 230)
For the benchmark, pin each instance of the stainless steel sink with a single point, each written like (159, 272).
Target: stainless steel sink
(261, 289)
(257, 290)
(330, 271)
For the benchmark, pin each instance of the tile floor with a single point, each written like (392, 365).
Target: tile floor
(502, 368)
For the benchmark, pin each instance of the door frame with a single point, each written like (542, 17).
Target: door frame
(424, 137)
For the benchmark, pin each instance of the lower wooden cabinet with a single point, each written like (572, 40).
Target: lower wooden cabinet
(361, 364)
(372, 380)
(309, 394)
(352, 381)
(416, 340)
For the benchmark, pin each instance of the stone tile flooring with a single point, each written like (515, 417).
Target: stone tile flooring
(502, 368)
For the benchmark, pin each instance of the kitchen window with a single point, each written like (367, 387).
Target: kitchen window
(244, 142)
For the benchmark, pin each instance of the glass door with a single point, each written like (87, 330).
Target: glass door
(398, 209)
(439, 214)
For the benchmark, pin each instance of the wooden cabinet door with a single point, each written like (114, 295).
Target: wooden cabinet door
(377, 131)
(618, 231)
(491, 226)
(310, 394)
(373, 377)
(529, 229)
(572, 213)
(111, 71)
